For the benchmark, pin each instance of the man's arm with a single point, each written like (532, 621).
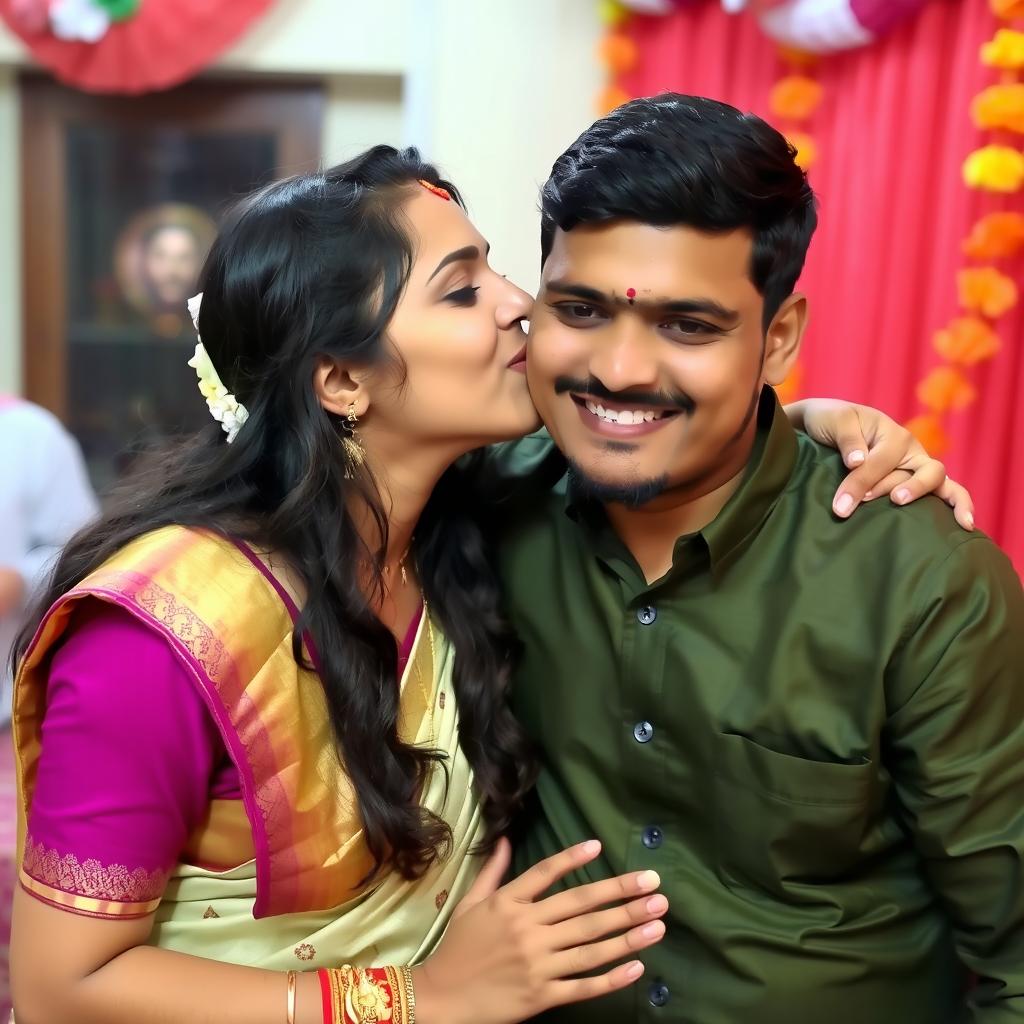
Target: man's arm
(956, 754)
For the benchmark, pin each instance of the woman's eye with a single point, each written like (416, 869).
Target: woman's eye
(463, 297)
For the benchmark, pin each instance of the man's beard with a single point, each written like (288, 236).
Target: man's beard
(636, 493)
(632, 494)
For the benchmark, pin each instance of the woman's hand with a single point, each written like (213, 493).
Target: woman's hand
(883, 456)
(508, 954)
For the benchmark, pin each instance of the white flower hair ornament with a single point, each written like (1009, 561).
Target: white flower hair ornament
(223, 406)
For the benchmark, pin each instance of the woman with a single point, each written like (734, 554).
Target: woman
(262, 725)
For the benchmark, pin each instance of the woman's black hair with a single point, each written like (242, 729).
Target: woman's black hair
(311, 267)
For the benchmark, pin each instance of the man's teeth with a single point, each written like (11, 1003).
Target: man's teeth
(627, 417)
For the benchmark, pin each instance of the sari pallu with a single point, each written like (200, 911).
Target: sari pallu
(292, 894)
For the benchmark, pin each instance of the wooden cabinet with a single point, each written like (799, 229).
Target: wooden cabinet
(121, 197)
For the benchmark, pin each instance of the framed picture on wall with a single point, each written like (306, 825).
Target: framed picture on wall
(121, 198)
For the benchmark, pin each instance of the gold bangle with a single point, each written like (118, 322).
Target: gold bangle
(291, 997)
(339, 983)
(399, 1004)
(410, 994)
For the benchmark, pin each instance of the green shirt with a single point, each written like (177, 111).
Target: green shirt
(812, 729)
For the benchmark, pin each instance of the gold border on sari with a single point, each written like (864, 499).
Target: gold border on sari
(233, 634)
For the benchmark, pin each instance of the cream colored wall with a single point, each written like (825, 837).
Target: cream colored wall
(326, 36)
(490, 89)
(514, 84)
(360, 112)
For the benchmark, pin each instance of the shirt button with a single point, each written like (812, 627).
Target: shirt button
(658, 993)
(643, 732)
(646, 615)
(652, 837)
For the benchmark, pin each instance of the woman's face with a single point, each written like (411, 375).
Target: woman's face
(459, 381)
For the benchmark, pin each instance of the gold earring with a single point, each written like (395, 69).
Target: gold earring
(355, 453)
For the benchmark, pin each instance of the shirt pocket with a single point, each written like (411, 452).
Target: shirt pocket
(782, 820)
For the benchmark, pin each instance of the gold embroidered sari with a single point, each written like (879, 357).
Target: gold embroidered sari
(293, 896)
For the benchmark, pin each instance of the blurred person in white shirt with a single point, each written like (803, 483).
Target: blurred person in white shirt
(45, 497)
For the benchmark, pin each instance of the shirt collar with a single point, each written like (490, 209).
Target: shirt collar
(768, 472)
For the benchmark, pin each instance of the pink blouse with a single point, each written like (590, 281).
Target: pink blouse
(130, 755)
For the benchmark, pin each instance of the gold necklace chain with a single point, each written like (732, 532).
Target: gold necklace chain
(400, 565)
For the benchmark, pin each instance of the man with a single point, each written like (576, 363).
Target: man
(171, 259)
(45, 496)
(812, 729)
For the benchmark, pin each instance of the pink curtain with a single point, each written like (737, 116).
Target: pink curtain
(892, 132)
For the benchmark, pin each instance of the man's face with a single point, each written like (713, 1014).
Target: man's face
(647, 357)
(171, 264)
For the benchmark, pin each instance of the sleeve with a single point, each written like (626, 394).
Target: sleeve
(128, 750)
(60, 499)
(957, 756)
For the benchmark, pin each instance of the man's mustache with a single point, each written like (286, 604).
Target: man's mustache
(593, 387)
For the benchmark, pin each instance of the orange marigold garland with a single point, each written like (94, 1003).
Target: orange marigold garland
(795, 97)
(946, 388)
(1008, 8)
(995, 169)
(930, 432)
(967, 340)
(1000, 107)
(618, 53)
(1005, 51)
(793, 102)
(997, 236)
(806, 149)
(985, 292)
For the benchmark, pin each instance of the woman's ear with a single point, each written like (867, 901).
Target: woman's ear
(340, 389)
